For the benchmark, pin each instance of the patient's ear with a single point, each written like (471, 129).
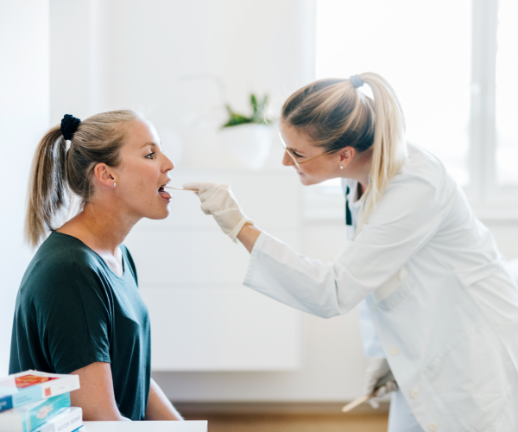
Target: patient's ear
(105, 175)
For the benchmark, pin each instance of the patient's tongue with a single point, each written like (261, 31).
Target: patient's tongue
(165, 194)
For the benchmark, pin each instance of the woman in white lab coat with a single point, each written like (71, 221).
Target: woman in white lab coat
(435, 298)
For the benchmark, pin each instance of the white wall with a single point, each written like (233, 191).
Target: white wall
(73, 57)
(506, 236)
(24, 117)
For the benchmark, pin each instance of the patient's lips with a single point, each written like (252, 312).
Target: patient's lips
(163, 194)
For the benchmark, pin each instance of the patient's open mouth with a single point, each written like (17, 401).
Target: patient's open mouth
(163, 194)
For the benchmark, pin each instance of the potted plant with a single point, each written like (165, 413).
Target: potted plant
(245, 142)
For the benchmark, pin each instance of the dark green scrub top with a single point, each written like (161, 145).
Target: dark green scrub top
(72, 310)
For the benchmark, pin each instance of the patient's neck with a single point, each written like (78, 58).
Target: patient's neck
(100, 228)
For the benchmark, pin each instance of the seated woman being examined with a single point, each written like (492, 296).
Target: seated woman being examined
(79, 310)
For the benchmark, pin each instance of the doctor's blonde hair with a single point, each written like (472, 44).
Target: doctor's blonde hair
(336, 115)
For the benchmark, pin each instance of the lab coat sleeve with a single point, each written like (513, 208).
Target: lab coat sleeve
(405, 219)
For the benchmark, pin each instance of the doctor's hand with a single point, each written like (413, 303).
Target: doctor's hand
(378, 371)
(218, 200)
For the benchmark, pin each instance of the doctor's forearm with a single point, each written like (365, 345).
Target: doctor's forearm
(248, 236)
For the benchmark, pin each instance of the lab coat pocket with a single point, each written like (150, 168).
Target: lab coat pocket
(392, 292)
(469, 377)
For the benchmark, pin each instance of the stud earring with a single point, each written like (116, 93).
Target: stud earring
(341, 167)
(114, 184)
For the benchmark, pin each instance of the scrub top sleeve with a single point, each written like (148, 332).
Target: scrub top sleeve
(76, 320)
(407, 216)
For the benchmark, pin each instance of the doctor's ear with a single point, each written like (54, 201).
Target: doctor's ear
(346, 155)
(104, 175)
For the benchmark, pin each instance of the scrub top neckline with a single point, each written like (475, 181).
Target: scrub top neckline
(122, 277)
(354, 201)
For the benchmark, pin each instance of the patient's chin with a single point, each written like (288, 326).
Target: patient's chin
(158, 215)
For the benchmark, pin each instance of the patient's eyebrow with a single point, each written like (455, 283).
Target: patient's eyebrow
(152, 144)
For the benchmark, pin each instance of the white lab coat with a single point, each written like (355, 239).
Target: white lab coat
(371, 343)
(443, 306)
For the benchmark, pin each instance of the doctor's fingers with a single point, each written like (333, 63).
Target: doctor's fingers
(220, 196)
(370, 383)
(374, 403)
(386, 389)
(219, 192)
(209, 207)
(382, 391)
(199, 187)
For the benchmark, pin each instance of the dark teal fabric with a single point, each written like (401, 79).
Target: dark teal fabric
(72, 310)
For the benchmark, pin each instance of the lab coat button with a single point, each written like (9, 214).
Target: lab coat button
(394, 351)
(414, 393)
(433, 426)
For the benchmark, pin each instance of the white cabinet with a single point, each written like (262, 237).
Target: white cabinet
(191, 275)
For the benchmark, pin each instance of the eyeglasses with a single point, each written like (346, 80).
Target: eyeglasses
(294, 157)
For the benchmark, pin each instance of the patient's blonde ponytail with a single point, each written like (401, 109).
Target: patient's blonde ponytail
(47, 185)
(335, 115)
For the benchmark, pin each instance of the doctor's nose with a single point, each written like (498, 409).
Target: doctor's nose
(287, 159)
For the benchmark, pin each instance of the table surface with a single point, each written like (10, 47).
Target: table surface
(148, 426)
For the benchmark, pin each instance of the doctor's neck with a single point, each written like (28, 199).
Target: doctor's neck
(359, 169)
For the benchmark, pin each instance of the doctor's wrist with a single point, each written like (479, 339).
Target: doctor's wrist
(248, 235)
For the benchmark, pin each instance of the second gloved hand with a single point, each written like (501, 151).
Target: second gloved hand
(218, 200)
(378, 369)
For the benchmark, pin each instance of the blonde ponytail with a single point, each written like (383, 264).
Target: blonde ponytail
(389, 146)
(47, 186)
(59, 173)
(335, 115)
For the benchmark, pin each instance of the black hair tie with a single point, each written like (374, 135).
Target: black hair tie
(69, 125)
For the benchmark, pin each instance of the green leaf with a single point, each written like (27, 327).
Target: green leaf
(229, 110)
(237, 119)
(253, 101)
(258, 116)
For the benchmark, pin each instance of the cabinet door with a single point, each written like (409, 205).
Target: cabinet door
(224, 329)
(191, 276)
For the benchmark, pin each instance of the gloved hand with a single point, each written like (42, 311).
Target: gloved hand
(377, 369)
(218, 200)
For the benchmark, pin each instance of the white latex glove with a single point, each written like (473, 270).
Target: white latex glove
(377, 368)
(218, 200)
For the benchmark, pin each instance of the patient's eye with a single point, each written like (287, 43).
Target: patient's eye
(150, 155)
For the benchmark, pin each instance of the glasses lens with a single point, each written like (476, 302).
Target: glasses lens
(289, 152)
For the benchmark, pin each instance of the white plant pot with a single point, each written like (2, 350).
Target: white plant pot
(245, 146)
